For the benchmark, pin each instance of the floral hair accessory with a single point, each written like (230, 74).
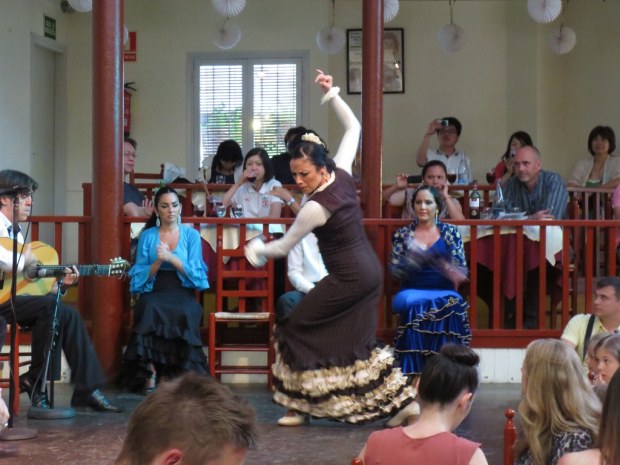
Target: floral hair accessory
(311, 137)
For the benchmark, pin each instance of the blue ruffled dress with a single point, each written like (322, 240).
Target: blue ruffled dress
(431, 313)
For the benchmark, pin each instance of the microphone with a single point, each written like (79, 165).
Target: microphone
(42, 272)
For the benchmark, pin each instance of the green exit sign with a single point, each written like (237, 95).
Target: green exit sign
(49, 27)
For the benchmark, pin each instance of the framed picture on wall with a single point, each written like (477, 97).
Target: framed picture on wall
(393, 62)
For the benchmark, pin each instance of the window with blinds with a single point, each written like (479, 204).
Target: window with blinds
(251, 100)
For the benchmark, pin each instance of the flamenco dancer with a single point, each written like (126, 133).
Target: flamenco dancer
(328, 363)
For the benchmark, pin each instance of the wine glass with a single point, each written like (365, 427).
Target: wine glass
(220, 210)
(237, 211)
(491, 176)
(451, 177)
(251, 177)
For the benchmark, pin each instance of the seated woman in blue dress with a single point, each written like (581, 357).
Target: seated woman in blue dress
(429, 260)
(165, 338)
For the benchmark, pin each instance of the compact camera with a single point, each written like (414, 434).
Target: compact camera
(445, 123)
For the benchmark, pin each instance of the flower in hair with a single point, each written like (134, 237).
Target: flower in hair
(311, 137)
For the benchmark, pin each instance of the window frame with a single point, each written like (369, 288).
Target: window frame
(195, 60)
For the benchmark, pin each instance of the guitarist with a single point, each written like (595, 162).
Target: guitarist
(35, 311)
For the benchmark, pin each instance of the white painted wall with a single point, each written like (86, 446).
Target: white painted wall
(504, 79)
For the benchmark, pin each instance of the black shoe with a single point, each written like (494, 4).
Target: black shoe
(95, 400)
(38, 399)
(25, 384)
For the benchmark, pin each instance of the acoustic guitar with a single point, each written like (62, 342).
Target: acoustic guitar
(47, 262)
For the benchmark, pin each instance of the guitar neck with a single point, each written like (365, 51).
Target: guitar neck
(84, 270)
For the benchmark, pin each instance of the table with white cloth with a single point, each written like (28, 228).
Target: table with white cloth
(508, 249)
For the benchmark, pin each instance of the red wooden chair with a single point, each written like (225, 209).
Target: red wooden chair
(241, 328)
(21, 337)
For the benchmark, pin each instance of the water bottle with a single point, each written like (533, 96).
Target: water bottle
(499, 203)
(463, 172)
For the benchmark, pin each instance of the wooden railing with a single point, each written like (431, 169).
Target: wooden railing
(588, 251)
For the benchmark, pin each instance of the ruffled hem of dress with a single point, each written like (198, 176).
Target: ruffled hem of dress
(362, 392)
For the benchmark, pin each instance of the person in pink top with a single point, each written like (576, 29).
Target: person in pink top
(446, 392)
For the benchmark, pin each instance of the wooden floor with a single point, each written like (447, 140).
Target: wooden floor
(95, 438)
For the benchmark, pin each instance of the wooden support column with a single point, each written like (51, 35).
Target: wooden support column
(372, 106)
(107, 175)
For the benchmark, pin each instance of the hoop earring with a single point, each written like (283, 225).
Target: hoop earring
(436, 217)
(157, 222)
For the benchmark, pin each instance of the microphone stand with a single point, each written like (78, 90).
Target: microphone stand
(12, 433)
(50, 413)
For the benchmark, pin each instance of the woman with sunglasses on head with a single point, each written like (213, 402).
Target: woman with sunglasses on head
(328, 362)
(602, 168)
(559, 412)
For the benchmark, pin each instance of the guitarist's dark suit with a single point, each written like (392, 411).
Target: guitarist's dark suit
(34, 311)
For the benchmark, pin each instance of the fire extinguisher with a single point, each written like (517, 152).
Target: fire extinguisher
(127, 107)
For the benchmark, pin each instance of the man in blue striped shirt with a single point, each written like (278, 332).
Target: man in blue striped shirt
(542, 195)
(539, 193)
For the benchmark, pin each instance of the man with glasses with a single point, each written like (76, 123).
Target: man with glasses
(35, 311)
(448, 130)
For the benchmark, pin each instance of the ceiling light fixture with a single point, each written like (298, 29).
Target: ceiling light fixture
(451, 37)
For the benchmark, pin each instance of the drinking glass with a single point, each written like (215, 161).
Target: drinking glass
(237, 211)
(451, 177)
(486, 213)
(490, 177)
(220, 179)
(220, 210)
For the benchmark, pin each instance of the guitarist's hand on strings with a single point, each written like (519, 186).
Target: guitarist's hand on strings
(71, 278)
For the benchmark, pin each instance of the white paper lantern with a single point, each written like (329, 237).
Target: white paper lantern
(390, 10)
(81, 6)
(544, 11)
(330, 39)
(451, 37)
(227, 36)
(562, 40)
(228, 8)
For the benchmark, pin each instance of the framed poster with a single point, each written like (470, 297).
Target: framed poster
(393, 63)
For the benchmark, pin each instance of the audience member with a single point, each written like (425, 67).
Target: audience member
(305, 269)
(559, 411)
(227, 160)
(447, 135)
(540, 194)
(134, 202)
(504, 169)
(607, 353)
(605, 317)
(33, 311)
(253, 189)
(433, 174)
(593, 372)
(192, 420)
(607, 451)
(165, 338)
(429, 259)
(602, 168)
(282, 163)
(446, 393)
